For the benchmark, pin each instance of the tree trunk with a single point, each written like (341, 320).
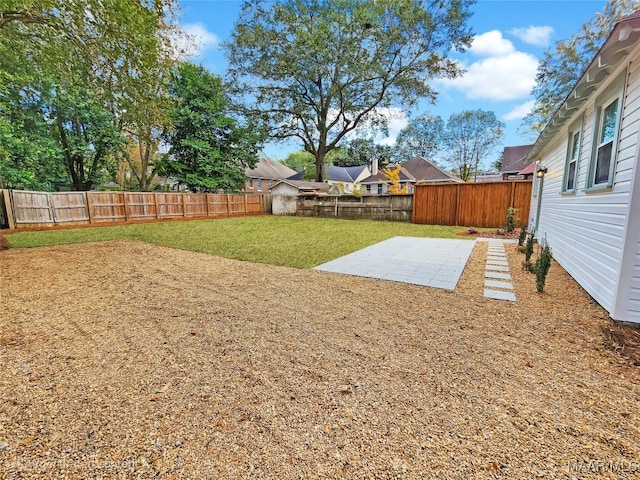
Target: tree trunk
(320, 167)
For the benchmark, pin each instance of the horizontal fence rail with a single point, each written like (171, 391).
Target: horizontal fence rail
(375, 207)
(26, 208)
(471, 204)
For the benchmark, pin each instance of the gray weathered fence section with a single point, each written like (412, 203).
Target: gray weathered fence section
(375, 207)
(26, 208)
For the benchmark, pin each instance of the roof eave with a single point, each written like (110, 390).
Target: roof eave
(616, 48)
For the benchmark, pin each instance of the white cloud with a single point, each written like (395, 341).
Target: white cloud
(503, 74)
(502, 78)
(539, 36)
(519, 111)
(202, 38)
(395, 119)
(193, 40)
(491, 44)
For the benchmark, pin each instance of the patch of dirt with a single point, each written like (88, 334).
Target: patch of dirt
(4, 243)
(625, 340)
(127, 360)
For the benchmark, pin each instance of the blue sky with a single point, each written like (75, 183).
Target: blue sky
(511, 36)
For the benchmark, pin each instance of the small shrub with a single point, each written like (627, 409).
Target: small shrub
(501, 231)
(510, 224)
(528, 266)
(522, 249)
(542, 266)
(528, 247)
(522, 237)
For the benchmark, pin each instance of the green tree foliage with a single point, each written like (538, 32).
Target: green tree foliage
(87, 134)
(563, 64)
(468, 138)
(30, 158)
(113, 54)
(209, 149)
(103, 42)
(315, 70)
(420, 138)
(299, 160)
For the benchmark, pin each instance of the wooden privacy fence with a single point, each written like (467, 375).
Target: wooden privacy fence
(470, 204)
(374, 207)
(44, 208)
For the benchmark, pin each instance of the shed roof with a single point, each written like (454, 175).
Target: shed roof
(621, 41)
(305, 186)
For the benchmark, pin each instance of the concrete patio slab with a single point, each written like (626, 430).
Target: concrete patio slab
(429, 262)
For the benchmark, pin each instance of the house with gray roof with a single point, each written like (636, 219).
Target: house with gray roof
(266, 174)
(413, 171)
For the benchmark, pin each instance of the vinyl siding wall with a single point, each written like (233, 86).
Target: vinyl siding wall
(586, 230)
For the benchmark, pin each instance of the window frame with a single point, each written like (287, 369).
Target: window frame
(577, 128)
(615, 92)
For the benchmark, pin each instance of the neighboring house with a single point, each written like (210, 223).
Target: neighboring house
(514, 161)
(285, 193)
(378, 184)
(347, 177)
(413, 171)
(265, 174)
(587, 205)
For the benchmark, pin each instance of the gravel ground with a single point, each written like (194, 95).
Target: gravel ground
(126, 360)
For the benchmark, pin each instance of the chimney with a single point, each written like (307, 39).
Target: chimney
(374, 165)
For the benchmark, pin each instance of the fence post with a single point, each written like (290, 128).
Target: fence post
(336, 207)
(457, 210)
(87, 196)
(126, 206)
(52, 211)
(513, 194)
(228, 206)
(246, 204)
(9, 207)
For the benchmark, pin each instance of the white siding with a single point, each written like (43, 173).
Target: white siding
(587, 231)
(284, 199)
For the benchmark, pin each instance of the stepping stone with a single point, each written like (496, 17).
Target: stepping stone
(497, 268)
(497, 262)
(500, 295)
(498, 284)
(501, 276)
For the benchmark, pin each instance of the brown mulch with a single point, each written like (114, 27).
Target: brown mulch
(127, 360)
(475, 233)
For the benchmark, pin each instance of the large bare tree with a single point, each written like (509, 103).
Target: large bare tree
(315, 70)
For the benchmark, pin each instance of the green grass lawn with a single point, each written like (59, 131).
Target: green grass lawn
(291, 241)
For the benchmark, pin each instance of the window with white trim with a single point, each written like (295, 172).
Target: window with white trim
(573, 154)
(605, 135)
